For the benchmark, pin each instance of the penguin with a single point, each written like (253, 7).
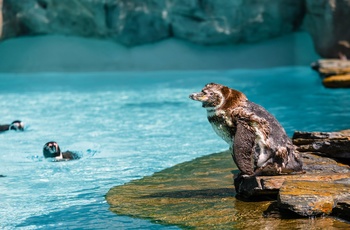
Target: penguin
(16, 125)
(52, 150)
(258, 143)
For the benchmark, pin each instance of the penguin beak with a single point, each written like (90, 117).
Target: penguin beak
(198, 96)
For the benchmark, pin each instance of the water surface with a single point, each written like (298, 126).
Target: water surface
(126, 126)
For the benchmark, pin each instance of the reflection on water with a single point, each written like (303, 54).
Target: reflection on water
(128, 125)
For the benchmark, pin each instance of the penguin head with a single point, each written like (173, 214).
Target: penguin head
(215, 96)
(17, 125)
(211, 95)
(51, 149)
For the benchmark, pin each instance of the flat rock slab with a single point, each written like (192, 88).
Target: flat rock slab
(330, 144)
(323, 189)
(335, 72)
(200, 194)
(331, 67)
(316, 168)
(337, 81)
(314, 198)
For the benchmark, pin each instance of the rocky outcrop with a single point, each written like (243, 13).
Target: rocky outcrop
(315, 197)
(339, 81)
(335, 73)
(328, 23)
(199, 194)
(133, 22)
(329, 144)
(323, 189)
(316, 169)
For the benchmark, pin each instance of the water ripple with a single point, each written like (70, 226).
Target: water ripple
(125, 131)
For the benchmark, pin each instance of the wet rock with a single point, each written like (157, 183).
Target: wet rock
(338, 81)
(331, 67)
(331, 144)
(313, 197)
(323, 188)
(199, 194)
(335, 73)
(316, 168)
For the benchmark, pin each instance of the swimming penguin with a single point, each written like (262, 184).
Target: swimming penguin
(259, 144)
(15, 125)
(52, 150)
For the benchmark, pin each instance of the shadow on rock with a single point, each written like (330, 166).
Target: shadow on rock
(203, 193)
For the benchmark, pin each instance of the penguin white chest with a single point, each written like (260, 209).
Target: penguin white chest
(222, 126)
(223, 132)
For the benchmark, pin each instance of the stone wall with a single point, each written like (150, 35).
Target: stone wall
(133, 22)
(328, 22)
(208, 22)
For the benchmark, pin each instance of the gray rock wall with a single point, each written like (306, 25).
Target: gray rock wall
(133, 22)
(328, 22)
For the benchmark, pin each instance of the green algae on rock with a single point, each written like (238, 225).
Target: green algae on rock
(186, 194)
(200, 194)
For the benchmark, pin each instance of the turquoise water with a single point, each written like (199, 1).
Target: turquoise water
(126, 126)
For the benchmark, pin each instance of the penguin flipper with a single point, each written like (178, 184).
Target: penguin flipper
(243, 149)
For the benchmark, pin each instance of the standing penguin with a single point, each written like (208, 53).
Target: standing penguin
(259, 144)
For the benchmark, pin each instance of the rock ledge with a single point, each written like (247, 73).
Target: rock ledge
(324, 188)
(335, 73)
(200, 194)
